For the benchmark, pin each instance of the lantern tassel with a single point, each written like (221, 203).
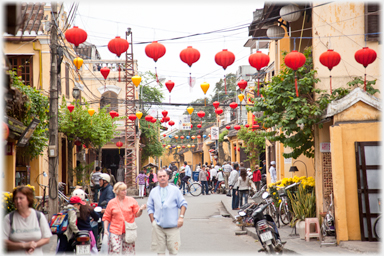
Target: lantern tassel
(258, 87)
(365, 81)
(225, 84)
(205, 103)
(157, 78)
(297, 91)
(330, 83)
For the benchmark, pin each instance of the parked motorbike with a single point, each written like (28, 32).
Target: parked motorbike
(244, 217)
(328, 225)
(82, 243)
(266, 228)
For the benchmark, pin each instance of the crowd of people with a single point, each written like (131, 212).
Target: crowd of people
(26, 230)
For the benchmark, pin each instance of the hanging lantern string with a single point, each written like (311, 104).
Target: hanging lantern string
(258, 87)
(157, 78)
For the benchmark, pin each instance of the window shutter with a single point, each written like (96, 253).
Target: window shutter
(372, 21)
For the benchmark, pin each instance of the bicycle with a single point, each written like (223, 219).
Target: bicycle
(63, 200)
(377, 224)
(194, 188)
(284, 211)
(42, 201)
(272, 211)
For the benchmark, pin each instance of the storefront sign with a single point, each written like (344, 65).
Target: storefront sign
(325, 147)
(185, 123)
(214, 133)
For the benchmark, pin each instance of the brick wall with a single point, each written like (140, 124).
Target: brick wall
(327, 175)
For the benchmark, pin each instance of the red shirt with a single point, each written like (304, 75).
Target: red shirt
(256, 176)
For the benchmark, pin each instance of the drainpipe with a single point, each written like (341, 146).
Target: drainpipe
(40, 66)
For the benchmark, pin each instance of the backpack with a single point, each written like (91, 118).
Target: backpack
(59, 222)
(38, 215)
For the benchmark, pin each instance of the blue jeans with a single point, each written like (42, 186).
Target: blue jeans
(204, 184)
(243, 193)
(235, 199)
(182, 185)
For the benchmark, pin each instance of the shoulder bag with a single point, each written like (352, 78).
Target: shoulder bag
(130, 230)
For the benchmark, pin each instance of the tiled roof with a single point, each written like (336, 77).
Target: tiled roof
(33, 14)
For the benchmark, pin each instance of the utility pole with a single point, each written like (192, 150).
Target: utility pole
(53, 118)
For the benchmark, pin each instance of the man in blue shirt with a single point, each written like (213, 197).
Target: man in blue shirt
(163, 206)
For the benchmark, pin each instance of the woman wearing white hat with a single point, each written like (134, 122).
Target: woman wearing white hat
(272, 171)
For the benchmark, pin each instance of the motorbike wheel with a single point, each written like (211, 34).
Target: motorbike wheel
(285, 214)
(271, 250)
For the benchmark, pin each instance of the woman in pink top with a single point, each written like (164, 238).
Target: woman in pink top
(121, 208)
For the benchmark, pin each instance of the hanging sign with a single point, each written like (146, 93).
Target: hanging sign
(325, 147)
(185, 123)
(214, 133)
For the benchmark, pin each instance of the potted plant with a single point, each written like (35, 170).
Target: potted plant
(303, 206)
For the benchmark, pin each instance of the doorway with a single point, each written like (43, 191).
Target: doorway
(368, 186)
(111, 159)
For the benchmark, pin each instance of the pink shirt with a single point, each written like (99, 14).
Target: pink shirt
(113, 214)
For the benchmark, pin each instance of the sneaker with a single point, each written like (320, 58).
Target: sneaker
(279, 246)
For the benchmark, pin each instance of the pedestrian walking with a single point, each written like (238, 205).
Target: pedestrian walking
(203, 179)
(233, 184)
(142, 180)
(220, 179)
(256, 177)
(120, 210)
(106, 190)
(188, 174)
(95, 182)
(244, 184)
(181, 176)
(213, 176)
(25, 230)
(227, 169)
(163, 205)
(151, 181)
(272, 172)
(113, 180)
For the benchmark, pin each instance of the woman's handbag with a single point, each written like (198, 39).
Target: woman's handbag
(130, 231)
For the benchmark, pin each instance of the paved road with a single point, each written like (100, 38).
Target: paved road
(205, 231)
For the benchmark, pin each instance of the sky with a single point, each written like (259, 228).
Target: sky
(155, 20)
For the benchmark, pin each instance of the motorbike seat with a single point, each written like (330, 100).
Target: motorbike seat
(83, 233)
(283, 194)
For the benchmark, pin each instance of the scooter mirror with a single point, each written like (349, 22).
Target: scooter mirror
(265, 195)
(97, 209)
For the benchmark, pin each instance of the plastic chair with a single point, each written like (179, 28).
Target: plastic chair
(308, 234)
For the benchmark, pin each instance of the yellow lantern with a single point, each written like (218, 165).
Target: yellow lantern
(241, 97)
(190, 110)
(139, 114)
(178, 147)
(136, 80)
(78, 62)
(188, 146)
(204, 86)
(91, 111)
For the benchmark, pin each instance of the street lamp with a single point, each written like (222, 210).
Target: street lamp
(75, 93)
(294, 168)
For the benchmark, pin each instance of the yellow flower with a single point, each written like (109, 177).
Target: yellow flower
(274, 193)
(280, 201)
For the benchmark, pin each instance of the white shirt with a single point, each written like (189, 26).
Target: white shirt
(272, 171)
(233, 177)
(220, 176)
(213, 172)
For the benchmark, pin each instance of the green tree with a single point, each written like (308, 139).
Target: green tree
(35, 106)
(254, 143)
(150, 90)
(150, 134)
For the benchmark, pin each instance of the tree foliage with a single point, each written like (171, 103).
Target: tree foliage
(254, 142)
(150, 135)
(294, 118)
(36, 106)
(150, 90)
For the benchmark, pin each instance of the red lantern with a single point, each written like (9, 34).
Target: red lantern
(105, 72)
(238, 149)
(183, 146)
(237, 127)
(224, 58)
(167, 118)
(169, 85)
(247, 125)
(164, 135)
(155, 50)
(191, 126)
(295, 60)
(171, 123)
(76, 35)
(163, 145)
(70, 108)
(258, 60)
(228, 127)
(201, 114)
(78, 143)
(242, 84)
(330, 59)
(189, 55)
(233, 105)
(198, 136)
(118, 46)
(119, 144)
(164, 113)
(132, 117)
(117, 114)
(365, 57)
(216, 104)
(199, 126)
(162, 120)
(148, 118)
(255, 126)
(219, 111)
(84, 146)
(153, 120)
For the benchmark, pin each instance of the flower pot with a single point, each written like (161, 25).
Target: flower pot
(300, 228)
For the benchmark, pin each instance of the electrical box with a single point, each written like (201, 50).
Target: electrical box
(52, 151)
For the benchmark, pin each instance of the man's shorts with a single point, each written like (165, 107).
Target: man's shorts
(186, 178)
(163, 238)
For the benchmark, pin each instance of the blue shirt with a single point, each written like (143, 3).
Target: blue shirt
(166, 213)
(188, 171)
